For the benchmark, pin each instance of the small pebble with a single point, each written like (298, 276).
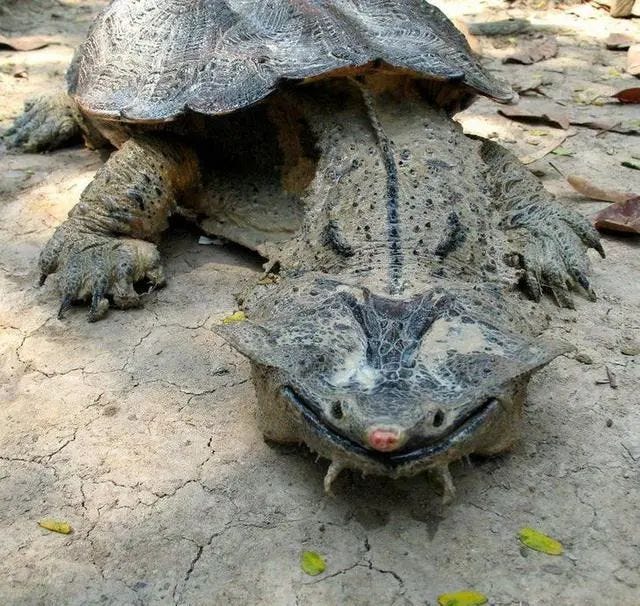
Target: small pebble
(609, 422)
(630, 348)
(583, 358)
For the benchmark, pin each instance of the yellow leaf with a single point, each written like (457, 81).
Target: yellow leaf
(538, 133)
(534, 539)
(239, 316)
(56, 526)
(270, 278)
(561, 151)
(462, 598)
(312, 563)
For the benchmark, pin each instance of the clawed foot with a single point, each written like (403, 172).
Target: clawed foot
(552, 251)
(48, 122)
(99, 269)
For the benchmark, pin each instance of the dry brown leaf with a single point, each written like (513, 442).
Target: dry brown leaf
(541, 152)
(630, 127)
(633, 60)
(588, 189)
(623, 217)
(551, 117)
(621, 8)
(628, 95)
(533, 53)
(618, 42)
(26, 43)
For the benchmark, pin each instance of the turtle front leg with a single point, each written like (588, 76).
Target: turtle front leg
(550, 240)
(108, 242)
(48, 122)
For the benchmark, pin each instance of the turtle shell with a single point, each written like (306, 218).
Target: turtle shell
(146, 60)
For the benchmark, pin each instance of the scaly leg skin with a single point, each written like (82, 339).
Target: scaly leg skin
(552, 240)
(48, 122)
(107, 243)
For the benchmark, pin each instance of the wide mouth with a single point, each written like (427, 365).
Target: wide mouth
(422, 450)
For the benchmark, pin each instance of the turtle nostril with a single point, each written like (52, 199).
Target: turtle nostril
(385, 440)
(336, 410)
(438, 418)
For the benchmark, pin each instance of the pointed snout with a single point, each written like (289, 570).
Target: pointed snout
(385, 439)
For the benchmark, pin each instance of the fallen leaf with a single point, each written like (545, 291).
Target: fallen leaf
(56, 526)
(26, 43)
(633, 60)
(629, 164)
(588, 189)
(533, 53)
(268, 279)
(543, 151)
(622, 217)
(530, 84)
(538, 541)
(618, 42)
(562, 151)
(239, 316)
(621, 8)
(587, 97)
(312, 563)
(506, 27)
(551, 117)
(630, 127)
(612, 72)
(462, 598)
(628, 95)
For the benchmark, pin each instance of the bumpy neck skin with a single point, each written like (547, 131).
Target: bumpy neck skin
(392, 317)
(399, 204)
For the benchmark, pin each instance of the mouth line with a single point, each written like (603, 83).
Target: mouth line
(458, 434)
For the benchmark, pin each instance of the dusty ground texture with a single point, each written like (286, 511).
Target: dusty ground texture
(139, 430)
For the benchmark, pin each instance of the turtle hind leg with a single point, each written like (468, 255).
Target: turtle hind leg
(550, 240)
(107, 245)
(48, 122)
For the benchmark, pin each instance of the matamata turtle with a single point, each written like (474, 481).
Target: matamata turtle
(389, 334)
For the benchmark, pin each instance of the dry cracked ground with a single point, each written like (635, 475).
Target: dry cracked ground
(139, 430)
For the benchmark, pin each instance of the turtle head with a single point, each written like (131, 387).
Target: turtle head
(391, 386)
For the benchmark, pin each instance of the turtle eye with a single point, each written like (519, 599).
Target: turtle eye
(336, 410)
(438, 418)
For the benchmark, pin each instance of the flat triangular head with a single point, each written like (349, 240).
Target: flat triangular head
(393, 385)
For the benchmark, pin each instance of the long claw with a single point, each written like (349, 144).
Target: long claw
(449, 492)
(99, 306)
(66, 304)
(332, 473)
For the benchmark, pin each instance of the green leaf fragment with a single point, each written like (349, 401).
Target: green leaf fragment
(312, 563)
(538, 541)
(562, 151)
(462, 598)
(56, 526)
(239, 316)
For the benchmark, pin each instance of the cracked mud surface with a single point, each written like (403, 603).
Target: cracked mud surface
(139, 430)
